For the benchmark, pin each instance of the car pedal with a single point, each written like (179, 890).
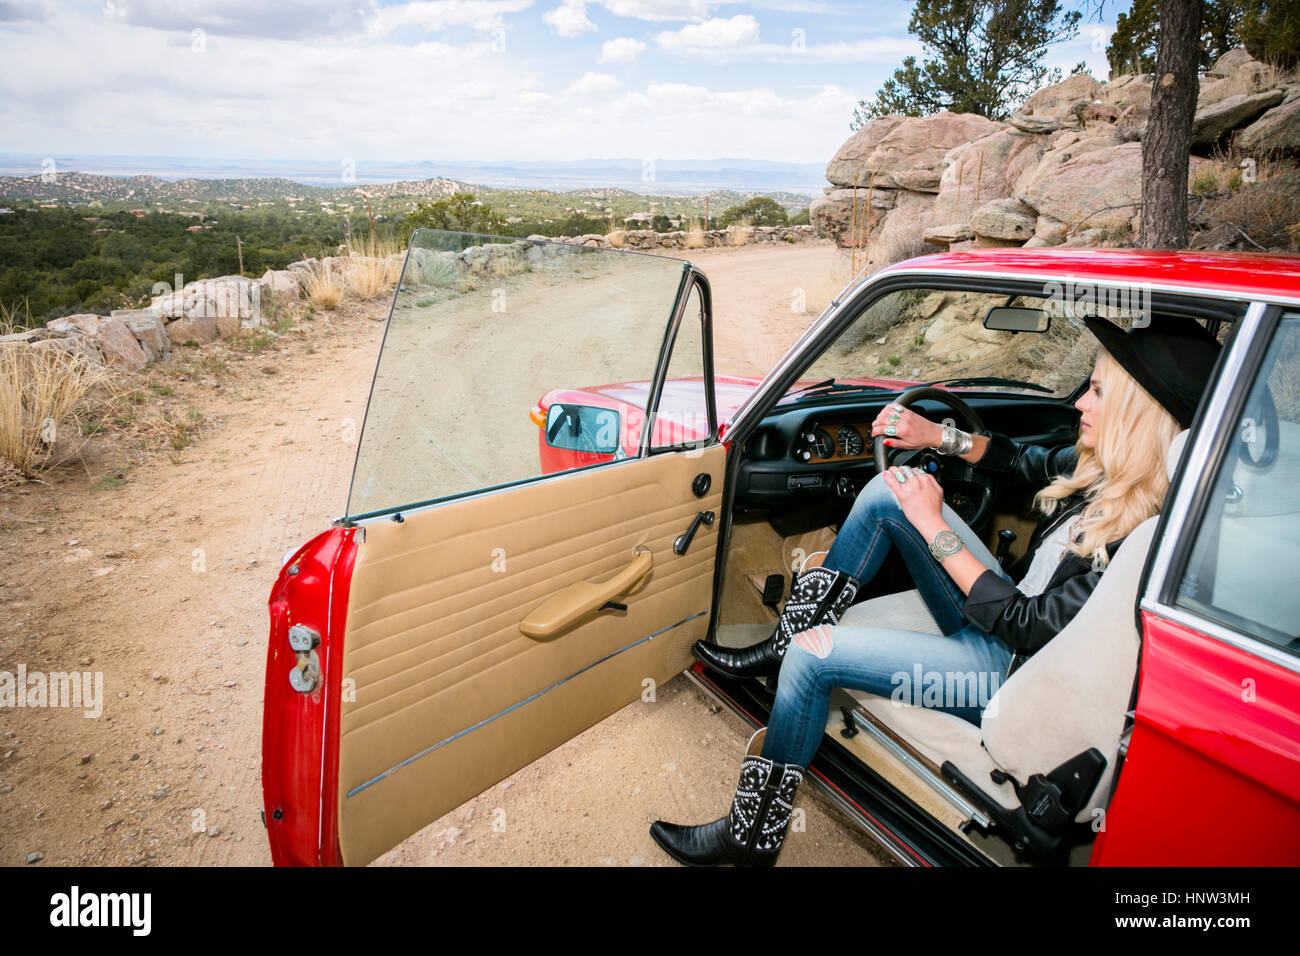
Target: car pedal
(773, 589)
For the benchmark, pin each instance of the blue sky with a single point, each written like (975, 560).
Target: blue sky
(452, 79)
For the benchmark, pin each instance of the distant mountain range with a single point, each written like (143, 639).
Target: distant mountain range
(168, 178)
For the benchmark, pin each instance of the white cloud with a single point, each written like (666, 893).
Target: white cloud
(298, 19)
(727, 40)
(569, 19)
(658, 9)
(739, 31)
(437, 15)
(621, 50)
(594, 83)
(285, 19)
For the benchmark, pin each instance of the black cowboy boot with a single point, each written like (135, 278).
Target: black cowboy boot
(819, 596)
(752, 833)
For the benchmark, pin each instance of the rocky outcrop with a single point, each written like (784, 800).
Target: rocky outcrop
(1277, 131)
(899, 164)
(1066, 168)
(1215, 121)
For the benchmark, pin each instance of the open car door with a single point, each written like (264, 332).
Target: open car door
(476, 608)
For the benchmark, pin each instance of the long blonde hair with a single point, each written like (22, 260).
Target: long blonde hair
(1123, 477)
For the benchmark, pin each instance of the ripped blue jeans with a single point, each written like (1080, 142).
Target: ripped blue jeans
(956, 671)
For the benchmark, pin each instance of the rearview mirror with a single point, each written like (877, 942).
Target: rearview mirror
(582, 428)
(1003, 318)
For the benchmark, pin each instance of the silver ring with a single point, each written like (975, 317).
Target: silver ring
(891, 430)
(901, 477)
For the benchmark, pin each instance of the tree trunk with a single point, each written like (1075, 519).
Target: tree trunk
(1166, 145)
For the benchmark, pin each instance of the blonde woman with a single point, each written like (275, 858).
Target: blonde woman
(1145, 388)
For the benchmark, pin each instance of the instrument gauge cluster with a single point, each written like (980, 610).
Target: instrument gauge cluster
(829, 441)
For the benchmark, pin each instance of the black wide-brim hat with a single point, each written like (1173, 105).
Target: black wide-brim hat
(1171, 358)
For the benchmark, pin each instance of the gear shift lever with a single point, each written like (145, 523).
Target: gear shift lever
(1005, 537)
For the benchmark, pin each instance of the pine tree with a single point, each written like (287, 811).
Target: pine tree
(980, 56)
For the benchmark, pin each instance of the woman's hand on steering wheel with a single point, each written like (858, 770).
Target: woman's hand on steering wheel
(911, 430)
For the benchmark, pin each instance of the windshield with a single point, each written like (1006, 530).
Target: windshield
(916, 336)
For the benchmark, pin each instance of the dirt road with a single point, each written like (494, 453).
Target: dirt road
(151, 565)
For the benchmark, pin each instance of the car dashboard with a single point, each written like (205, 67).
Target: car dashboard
(819, 453)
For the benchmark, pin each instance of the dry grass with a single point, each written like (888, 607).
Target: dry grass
(1215, 178)
(1252, 81)
(899, 249)
(323, 287)
(372, 270)
(1264, 211)
(14, 317)
(40, 389)
(694, 234)
(741, 234)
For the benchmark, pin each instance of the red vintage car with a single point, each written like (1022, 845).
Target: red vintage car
(480, 603)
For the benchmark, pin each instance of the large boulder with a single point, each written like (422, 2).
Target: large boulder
(851, 158)
(279, 285)
(199, 329)
(911, 155)
(985, 169)
(234, 300)
(1214, 122)
(1128, 89)
(1062, 147)
(1060, 104)
(1277, 131)
(1101, 185)
(303, 267)
(1234, 73)
(1236, 60)
(1007, 219)
(1132, 123)
(148, 328)
(109, 335)
(1082, 186)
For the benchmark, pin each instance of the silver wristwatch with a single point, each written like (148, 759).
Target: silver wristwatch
(945, 544)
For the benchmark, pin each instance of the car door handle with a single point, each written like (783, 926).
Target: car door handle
(562, 611)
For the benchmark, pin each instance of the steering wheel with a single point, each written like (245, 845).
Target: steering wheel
(953, 467)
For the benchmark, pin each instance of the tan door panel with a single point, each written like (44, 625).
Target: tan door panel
(450, 695)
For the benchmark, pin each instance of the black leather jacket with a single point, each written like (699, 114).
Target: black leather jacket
(1027, 623)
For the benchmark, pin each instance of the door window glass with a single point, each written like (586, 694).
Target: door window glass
(1243, 568)
(509, 359)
